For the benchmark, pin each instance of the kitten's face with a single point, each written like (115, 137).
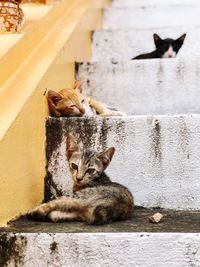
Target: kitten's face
(85, 166)
(66, 103)
(168, 48)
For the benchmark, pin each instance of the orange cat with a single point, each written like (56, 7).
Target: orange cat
(71, 103)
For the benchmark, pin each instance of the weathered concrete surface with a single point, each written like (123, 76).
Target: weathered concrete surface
(144, 87)
(173, 221)
(157, 157)
(136, 242)
(126, 44)
(108, 249)
(151, 17)
(146, 3)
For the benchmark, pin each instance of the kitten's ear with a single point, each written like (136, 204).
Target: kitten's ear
(157, 39)
(78, 86)
(181, 39)
(53, 97)
(71, 146)
(106, 156)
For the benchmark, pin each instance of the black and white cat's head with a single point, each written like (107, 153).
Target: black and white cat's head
(168, 48)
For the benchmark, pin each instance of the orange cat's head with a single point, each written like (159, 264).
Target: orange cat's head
(66, 103)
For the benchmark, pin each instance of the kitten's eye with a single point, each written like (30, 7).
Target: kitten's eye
(72, 106)
(74, 166)
(91, 171)
(82, 101)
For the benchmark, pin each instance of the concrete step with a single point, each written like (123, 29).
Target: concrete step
(126, 44)
(147, 3)
(174, 242)
(157, 157)
(151, 17)
(144, 87)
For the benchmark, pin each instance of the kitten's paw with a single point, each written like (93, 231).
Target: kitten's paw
(39, 212)
(53, 216)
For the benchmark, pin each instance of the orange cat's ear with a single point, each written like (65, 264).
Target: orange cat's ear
(106, 156)
(53, 97)
(78, 86)
(71, 146)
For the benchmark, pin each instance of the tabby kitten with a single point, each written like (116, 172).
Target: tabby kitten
(96, 199)
(167, 48)
(71, 103)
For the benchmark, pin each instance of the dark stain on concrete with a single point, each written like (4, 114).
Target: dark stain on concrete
(180, 72)
(114, 62)
(88, 82)
(54, 247)
(121, 132)
(103, 136)
(160, 75)
(190, 254)
(50, 186)
(54, 252)
(54, 134)
(12, 249)
(83, 129)
(77, 65)
(184, 136)
(156, 140)
(92, 36)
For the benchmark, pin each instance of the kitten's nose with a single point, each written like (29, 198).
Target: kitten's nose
(79, 179)
(82, 110)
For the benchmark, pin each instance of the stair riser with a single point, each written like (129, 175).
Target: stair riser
(104, 249)
(144, 87)
(157, 158)
(146, 3)
(147, 18)
(124, 45)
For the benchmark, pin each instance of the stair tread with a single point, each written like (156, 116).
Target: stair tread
(155, 16)
(173, 221)
(146, 3)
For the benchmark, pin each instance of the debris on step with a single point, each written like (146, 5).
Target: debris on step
(156, 218)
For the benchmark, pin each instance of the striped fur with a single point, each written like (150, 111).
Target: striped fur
(96, 199)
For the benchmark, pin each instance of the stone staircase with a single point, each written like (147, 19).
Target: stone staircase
(157, 148)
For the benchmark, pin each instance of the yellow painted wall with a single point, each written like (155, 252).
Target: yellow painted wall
(23, 106)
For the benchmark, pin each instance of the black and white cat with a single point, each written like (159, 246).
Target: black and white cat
(165, 48)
